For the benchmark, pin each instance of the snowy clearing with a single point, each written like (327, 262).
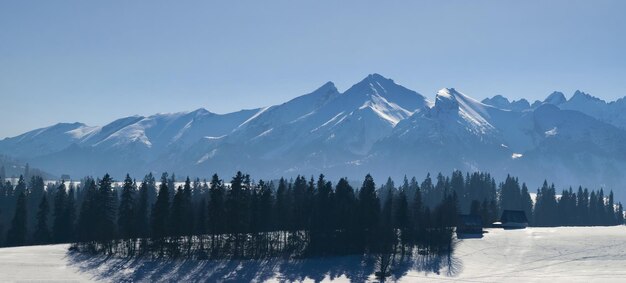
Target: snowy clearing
(572, 254)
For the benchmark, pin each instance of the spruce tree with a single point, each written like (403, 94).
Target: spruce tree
(42, 231)
(142, 208)
(401, 216)
(161, 210)
(126, 211)
(58, 230)
(36, 190)
(216, 210)
(369, 210)
(16, 236)
(88, 217)
(527, 202)
(69, 215)
(188, 213)
(177, 214)
(106, 212)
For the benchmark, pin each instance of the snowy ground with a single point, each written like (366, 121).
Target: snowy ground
(532, 255)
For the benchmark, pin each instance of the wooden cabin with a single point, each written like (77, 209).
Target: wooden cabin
(514, 219)
(469, 224)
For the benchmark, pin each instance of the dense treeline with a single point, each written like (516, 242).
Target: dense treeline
(298, 217)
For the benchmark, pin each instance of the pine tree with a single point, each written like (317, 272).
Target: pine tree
(16, 235)
(177, 214)
(457, 184)
(582, 206)
(88, 217)
(619, 214)
(142, 223)
(42, 231)
(20, 187)
(237, 211)
(610, 209)
(402, 217)
(322, 215)
(510, 197)
(527, 203)
(417, 210)
(200, 220)
(216, 210)
(58, 230)
(126, 211)
(345, 214)
(161, 210)
(188, 215)
(369, 209)
(427, 190)
(282, 207)
(36, 190)
(69, 215)
(106, 212)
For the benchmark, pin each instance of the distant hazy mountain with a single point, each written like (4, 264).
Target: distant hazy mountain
(613, 112)
(375, 126)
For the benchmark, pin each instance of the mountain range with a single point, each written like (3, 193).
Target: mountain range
(375, 126)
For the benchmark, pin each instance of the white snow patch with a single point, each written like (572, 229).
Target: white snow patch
(214, 138)
(81, 132)
(329, 121)
(254, 116)
(552, 132)
(265, 133)
(207, 156)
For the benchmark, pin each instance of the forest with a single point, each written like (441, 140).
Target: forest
(300, 217)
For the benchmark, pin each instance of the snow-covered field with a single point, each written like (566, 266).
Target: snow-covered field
(566, 254)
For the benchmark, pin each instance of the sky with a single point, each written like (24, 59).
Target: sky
(95, 61)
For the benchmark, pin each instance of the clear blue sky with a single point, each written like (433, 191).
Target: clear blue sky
(94, 61)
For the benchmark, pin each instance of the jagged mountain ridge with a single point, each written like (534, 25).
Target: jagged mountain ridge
(374, 126)
(613, 112)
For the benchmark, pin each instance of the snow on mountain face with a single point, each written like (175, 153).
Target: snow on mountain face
(457, 132)
(613, 112)
(376, 126)
(71, 148)
(461, 133)
(43, 141)
(322, 128)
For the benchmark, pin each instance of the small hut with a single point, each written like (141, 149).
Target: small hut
(514, 219)
(469, 224)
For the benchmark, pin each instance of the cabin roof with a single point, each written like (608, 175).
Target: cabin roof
(470, 220)
(518, 216)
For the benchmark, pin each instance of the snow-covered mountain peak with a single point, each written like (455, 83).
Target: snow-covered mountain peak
(373, 84)
(450, 102)
(359, 130)
(555, 98)
(376, 87)
(450, 97)
(446, 100)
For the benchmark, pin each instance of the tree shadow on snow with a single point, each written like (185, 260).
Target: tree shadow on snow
(354, 267)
